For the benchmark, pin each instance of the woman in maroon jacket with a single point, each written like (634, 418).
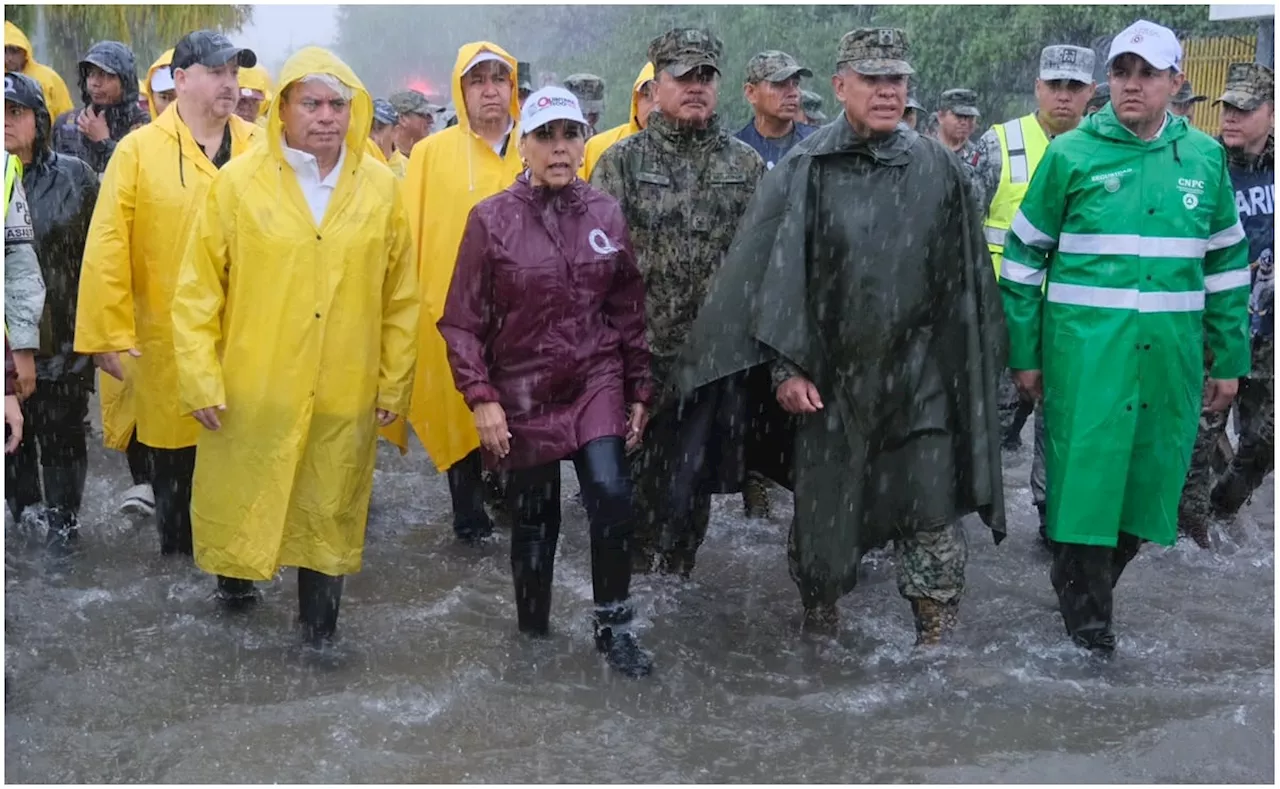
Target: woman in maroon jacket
(544, 324)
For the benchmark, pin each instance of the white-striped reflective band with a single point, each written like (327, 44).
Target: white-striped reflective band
(1134, 245)
(1227, 238)
(1029, 234)
(1017, 152)
(1227, 280)
(1125, 298)
(994, 235)
(1023, 274)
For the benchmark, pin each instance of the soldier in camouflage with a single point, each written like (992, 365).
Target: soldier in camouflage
(524, 83)
(589, 90)
(911, 115)
(957, 118)
(1101, 97)
(683, 183)
(1183, 103)
(811, 103)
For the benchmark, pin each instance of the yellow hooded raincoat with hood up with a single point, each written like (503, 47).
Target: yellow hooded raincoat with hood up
(598, 144)
(162, 62)
(302, 332)
(258, 79)
(155, 180)
(449, 172)
(56, 95)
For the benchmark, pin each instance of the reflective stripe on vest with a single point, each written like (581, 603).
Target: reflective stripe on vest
(12, 173)
(1022, 146)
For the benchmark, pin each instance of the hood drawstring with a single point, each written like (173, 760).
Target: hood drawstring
(181, 175)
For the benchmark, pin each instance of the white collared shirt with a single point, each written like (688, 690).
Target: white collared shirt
(315, 189)
(501, 143)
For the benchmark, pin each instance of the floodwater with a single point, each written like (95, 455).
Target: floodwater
(120, 666)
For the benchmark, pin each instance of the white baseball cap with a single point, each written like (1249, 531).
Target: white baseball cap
(549, 104)
(162, 80)
(1154, 43)
(484, 56)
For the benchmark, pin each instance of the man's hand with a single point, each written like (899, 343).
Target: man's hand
(24, 364)
(491, 423)
(209, 416)
(93, 124)
(636, 424)
(1219, 393)
(12, 418)
(109, 362)
(385, 417)
(799, 396)
(1030, 383)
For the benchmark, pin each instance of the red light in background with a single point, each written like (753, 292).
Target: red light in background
(422, 85)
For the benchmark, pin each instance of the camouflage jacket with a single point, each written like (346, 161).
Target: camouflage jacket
(970, 156)
(682, 192)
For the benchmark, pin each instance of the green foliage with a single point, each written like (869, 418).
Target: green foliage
(149, 29)
(992, 49)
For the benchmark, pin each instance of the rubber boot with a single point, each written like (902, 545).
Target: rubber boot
(319, 596)
(755, 497)
(63, 492)
(934, 620)
(236, 594)
(618, 643)
(1041, 509)
(532, 569)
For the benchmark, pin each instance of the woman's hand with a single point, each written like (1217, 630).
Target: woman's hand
(636, 425)
(13, 420)
(491, 423)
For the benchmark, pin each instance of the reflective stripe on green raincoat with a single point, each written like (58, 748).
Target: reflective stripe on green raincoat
(1145, 261)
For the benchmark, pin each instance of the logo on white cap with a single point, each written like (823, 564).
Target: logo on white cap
(549, 104)
(1153, 43)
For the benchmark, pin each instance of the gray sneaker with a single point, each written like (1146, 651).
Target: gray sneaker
(139, 502)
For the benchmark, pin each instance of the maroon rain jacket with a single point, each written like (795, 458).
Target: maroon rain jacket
(545, 316)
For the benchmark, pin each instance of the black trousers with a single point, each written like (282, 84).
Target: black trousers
(319, 596)
(55, 442)
(466, 489)
(1084, 576)
(533, 498)
(139, 457)
(172, 472)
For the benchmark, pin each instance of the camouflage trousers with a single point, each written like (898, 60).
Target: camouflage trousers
(1013, 410)
(1194, 508)
(931, 564)
(1254, 457)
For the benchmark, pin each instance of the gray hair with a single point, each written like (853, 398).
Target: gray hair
(328, 80)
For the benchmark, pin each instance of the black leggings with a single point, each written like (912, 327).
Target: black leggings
(172, 472)
(55, 441)
(139, 457)
(533, 498)
(466, 489)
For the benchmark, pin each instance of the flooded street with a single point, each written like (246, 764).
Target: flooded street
(120, 666)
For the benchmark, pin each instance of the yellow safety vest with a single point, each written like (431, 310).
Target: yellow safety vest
(12, 174)
(1022, 146)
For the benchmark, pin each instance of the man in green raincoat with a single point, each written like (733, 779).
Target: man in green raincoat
(1132, 220)
(860, 275)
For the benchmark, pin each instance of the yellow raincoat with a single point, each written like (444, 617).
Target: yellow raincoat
(399, 164)
(302, 332)
(373, 150)
(56, 96)
(258, 79)
(161, 62)
(156, 178)
(449, 172)
(599, 143)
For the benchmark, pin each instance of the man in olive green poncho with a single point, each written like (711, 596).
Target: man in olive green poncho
(860, 275)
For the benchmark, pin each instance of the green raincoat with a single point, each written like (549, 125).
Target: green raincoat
(863, 264)
(1146, 262)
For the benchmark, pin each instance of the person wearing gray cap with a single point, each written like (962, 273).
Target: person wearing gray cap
(773, 91)
(588, 89)
(811, 106)
(1101, 97)
(383, 134)
(911, 115)
(1125, 259)
(524, 80)
(109, 89)
(415, 119)
(1008, 155)
(957, 117)
(859, 278)
(1183, 103)
(683, 182)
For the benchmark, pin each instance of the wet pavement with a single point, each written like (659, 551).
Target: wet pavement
(121, 667)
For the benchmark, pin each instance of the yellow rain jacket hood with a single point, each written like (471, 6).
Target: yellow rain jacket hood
(302, 330)
(161, 62)
(598, 144)
(373, 150)
(156, 178)
(449, 172)
(258, 79)
(56, 96)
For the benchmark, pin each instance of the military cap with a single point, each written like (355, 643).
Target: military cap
(524, 74)
(384, 113)
(682, 50)
(961, 101)
(913, 103)
(1100, 96)
(589, 90)
(774, 66)
(410, 102)
(1186, 95)
(1248, 86)
(1066, 62)
(812, 104)
(875, 51)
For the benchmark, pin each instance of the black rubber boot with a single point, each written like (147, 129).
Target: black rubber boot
(1041, 508)
(318, 598)
(619, 645)
(532, 568)
(63, 529)
(63, 491)
(236, 594)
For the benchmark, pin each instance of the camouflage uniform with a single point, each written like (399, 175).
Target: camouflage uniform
(812, 104)
(524, 80)
(682, 191)
(589, 90)
(1101, 97)
(963, 101)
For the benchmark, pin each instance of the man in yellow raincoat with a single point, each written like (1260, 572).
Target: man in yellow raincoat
(255, 93)
(294, 324)
(643, 101)
(155, 180)
(18, 56)
(449, 172)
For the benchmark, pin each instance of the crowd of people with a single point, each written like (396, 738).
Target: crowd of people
(269, 275)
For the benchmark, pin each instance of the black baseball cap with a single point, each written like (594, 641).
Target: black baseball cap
(21, 89)
(211, 50)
